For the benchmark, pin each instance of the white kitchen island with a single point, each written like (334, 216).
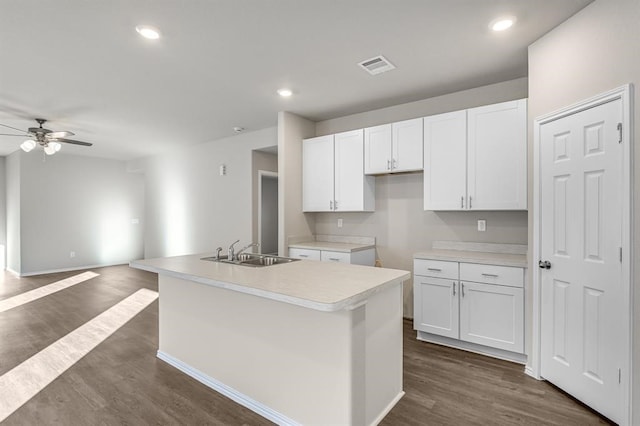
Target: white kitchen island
(305, 342)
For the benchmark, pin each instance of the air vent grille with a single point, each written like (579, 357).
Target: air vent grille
(376, 65)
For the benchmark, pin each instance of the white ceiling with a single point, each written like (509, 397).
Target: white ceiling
(81, 64)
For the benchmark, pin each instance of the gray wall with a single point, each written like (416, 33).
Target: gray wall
(260, 161)
(190, 207)
(12, 175)
(269, 219)
(399, 223)
(72, 203)
(594, 51)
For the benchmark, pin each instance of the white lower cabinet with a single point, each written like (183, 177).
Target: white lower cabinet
(361, 257)
(486, 308)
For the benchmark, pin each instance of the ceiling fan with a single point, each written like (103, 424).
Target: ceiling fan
(47, 139)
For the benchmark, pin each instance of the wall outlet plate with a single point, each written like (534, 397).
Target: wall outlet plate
(339, 223)
(482, 225)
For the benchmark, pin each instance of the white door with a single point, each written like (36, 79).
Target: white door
(445, 161)
(377, 149)
(584, 348)
(497, 156)
(436, 305)
(317, 174)
(406, 146)
(492, 315)
(349, 171)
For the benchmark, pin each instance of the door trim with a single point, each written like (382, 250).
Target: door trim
(624, 93)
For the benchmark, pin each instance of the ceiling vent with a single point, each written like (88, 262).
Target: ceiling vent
(377, 65)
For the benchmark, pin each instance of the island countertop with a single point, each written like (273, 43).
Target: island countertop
(321, 286)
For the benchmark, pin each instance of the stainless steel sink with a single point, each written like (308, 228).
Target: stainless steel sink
(253, 260)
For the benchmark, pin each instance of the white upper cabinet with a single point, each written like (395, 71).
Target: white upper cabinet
(393, 148)
(477, 159)
(333, 174)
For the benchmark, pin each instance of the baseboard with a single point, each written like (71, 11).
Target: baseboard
(227, 391)
(529, 372)
(473, 347)
(73, 268)
(387, 409)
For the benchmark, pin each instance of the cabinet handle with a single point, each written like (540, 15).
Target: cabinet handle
(330, 205)
(335, 205)
(388, 164)
(462, 289)
(462, 202)
(335, 259)
(303, 255)
(454, 288)
(470, 202)
(489, 275)
(434, 269)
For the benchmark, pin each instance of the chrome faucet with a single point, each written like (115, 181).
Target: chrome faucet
(231, 255)
(218, 250)
(243, 249)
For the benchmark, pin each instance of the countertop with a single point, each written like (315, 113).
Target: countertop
(331, 246)
(323, 286)
(499, 259)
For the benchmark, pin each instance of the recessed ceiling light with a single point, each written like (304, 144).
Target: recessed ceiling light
(149, 32)
(285, 93)
(502, 24)
(238, 129)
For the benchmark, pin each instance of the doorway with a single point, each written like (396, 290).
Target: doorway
(268, 212)
(582, 249)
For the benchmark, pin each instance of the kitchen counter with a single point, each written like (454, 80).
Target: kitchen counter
(499, 259)
(305, 342)
(332, 246)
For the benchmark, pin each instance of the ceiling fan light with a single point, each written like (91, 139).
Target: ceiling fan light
(49, 150)
(56, 146)
(28, 145)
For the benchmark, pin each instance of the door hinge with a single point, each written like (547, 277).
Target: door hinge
(619, 132)
(620, 251)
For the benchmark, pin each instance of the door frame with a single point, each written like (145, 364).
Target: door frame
(261, 174)
(624, 93)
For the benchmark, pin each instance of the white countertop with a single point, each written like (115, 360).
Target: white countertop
(499, 259)
(323, 286)
(332, 246)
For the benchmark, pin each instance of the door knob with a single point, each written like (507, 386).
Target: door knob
(544, 264)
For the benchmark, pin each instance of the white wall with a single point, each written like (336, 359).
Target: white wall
(73, 203)
(190, 207)
(594, 51)
(399, 223)
(12, 209)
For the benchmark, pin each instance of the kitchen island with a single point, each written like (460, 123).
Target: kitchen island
(299, 343)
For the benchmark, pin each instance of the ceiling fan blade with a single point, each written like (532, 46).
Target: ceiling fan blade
(71, 141)
(58, 135)
(26, 135)
(13, 128)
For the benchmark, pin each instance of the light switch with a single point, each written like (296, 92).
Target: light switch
(482, 225)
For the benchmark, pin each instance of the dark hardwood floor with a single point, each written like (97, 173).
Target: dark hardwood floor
(121, 382)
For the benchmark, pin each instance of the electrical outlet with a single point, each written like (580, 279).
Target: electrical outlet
(339, 223)
(72, 254)
(482, 225)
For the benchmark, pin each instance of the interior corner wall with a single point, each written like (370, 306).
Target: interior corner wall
(594, 51)
(190, 207)
(78, 204)
(291, 221)
(399, 223)
(12, 211)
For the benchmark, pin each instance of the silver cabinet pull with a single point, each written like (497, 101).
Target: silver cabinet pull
(454, 288)
(335, 259)
(434, 269)
(462, 289)
(462, 202)
(470, 206)
(489, 275)
(388, 164)
(330, 205)
(303, 255)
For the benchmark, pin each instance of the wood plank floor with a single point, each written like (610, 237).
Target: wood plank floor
(122, 382)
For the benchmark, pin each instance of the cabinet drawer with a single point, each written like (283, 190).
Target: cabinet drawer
(306, 254)
(335, 256)
(492, 274)
(435, 268)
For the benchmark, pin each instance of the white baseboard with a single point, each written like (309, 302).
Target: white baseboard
(73, 268)
(227, 391)
(388, 408)
(473, 347)
(529, 372)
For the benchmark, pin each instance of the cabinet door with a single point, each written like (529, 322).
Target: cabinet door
(353, 190)
(497, 156)
(377, 149)
(436, 305)
(406, 146)
(492, 315)
(445, 164)
(317, 174)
